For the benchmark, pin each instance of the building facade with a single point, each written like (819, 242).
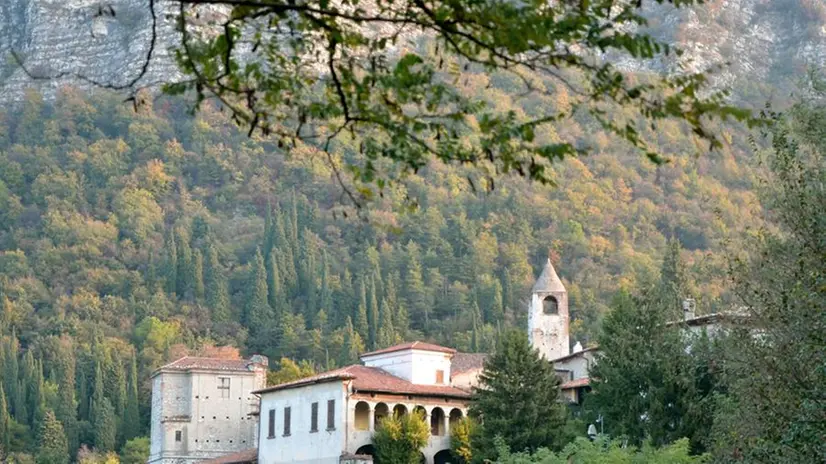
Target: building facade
(331, 417)
(204, 408)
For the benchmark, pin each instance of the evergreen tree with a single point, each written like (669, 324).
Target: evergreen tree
(373, 316)
(326, 297)
(645, 372)
(131, 416)
(216, 289)
(66, 407)
(198, 274)
(259, 316)
(415, 292)
(184, 272)
(518, 399)
(53, 447)
(386, 333)
(171, 264)
(353, 344)
(275, 289)
(361, 326)
(5, 425)
(11, 375)
(104, 427)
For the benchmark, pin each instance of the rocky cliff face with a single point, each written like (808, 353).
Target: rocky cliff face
(765, 41)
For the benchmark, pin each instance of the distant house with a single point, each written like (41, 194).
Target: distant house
(204, 408)
(331, 417)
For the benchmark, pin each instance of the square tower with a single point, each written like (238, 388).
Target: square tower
(203, 408)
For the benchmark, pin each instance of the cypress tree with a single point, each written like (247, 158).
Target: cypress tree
(185, 283)
(308, 275)
(386, 333)
(83, 393)
(198, 274)
(326, 299)
(104, 426)
(217, 293)
(54, 447)
(415, 292)
(11, 374)
(258, 314)
(274, 295)
(353, 344)
(66, 408)
(361, 326)
(373, 316)
(507, 291)
(171, 264)
(5, 425)
(131, 416)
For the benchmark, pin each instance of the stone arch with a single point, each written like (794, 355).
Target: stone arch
(366, 450)
(550, 305)
(420, 410)
(443, 457)
(437, 422)
(455, 417)
(380, 411)
(362, 416)
(399, 410)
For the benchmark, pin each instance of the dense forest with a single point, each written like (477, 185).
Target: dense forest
(129, 238)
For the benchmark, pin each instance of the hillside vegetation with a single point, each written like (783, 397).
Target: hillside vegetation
(129, 239)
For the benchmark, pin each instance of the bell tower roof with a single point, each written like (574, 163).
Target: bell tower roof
(548, 281)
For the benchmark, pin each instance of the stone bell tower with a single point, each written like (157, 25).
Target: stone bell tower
(548, 316)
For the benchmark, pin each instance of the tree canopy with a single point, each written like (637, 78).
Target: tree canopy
(517, 399)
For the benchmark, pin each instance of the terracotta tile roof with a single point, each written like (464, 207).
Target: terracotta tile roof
(422, 346)
(463, 362)
(249, 456)
(577, 383)
(215, 364)
(373, 380)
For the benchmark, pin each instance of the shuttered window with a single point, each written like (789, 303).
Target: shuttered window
(314, 417)
(271, 424)
(287, 420)
(331, 414)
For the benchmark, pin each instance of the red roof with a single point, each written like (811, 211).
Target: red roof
(242, 457)
(213, 364)
(576, 383)
(421, 346)
(372, 380)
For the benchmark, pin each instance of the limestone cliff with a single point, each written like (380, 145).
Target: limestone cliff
(766, 41)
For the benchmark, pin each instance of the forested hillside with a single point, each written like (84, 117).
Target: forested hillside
(128, 239)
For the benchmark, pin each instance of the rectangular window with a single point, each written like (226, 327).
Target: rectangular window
(287, 412)
(331, 414)
(314, 417)
(178, 436)
(440, 377)
(223, 386)
(271, 424)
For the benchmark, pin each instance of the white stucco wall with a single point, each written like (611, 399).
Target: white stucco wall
(466, 380)
(416, 366)
(577, 365)
(302, 445)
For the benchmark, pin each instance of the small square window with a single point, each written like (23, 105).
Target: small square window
(178, 436)
(223, 386)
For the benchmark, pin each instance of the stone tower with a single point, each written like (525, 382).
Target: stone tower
(548, 316)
